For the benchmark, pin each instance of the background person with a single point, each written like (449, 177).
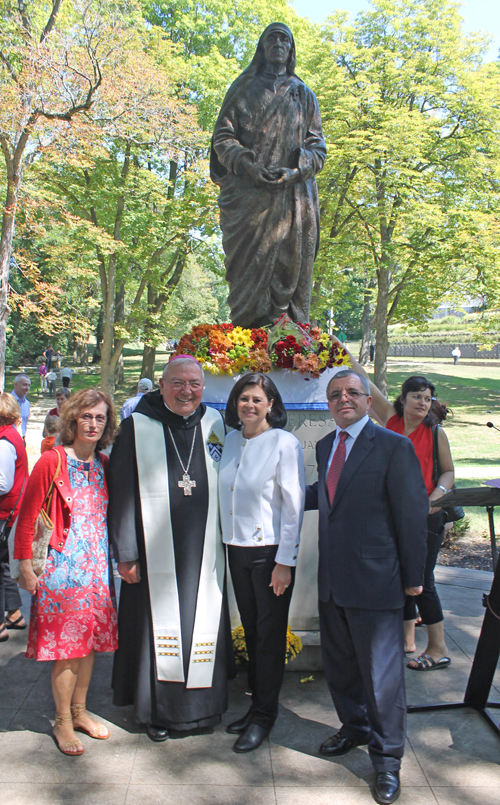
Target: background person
(50, 430)
(144, 385)
(372, 523)
(51, 382)
(261, 490)
(66, 375)
(13, 477)
(457, 354)
(42, 372)
(62, 395)
(48, 358)
(22, 385)
(73, 610)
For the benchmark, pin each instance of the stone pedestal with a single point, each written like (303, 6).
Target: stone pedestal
(309, 420)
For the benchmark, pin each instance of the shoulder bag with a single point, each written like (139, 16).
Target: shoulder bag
(42, 533)
(453, 513)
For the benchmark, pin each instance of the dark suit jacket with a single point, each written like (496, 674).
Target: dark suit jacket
(372, 540)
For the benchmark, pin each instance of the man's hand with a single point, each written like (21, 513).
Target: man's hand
(28, 580)
(413, 590)
(282, 177)
(281, 579)
(130, 571)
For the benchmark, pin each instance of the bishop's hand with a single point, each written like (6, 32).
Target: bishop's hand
(130, 571)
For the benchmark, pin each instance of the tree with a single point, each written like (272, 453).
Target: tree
(52, 61)
(410, 120)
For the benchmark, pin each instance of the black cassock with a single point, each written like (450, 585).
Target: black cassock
(167, 704)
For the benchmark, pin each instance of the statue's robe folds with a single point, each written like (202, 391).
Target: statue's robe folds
(270, 239)
(171, 704)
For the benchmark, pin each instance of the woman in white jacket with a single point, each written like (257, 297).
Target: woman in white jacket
(262, 487)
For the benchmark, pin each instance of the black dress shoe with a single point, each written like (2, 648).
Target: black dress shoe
(239, 726)
(340, 744)
(387, 786)
(251, 738)
(157, 734)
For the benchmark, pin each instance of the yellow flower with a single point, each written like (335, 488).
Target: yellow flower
(240, 336)
(325, 339)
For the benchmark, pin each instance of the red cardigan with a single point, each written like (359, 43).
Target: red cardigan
(62, 502)
(12, 500)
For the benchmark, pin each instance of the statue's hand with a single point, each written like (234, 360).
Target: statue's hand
(282, 177)
(260, 176)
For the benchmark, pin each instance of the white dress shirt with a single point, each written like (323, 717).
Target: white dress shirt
(8, 456)
(261, 492)
(353, 430)
(24, 405)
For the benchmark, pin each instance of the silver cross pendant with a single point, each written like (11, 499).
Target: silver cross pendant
(186, 484)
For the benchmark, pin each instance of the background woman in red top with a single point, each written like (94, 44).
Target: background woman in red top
(73, 611)
(413, 414)
(13, 477)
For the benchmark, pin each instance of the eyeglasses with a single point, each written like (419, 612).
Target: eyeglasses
(88, 418)
(177, 385)
(351, 394)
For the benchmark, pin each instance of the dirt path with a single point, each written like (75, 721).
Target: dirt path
(39, 409)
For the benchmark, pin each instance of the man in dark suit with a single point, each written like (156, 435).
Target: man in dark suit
(372, 545)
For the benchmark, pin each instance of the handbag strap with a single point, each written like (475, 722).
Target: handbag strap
(50, 491)
(437, 469)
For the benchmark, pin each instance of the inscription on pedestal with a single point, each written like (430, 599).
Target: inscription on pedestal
(309, 427)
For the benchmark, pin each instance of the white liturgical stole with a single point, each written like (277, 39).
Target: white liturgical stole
(164, 597)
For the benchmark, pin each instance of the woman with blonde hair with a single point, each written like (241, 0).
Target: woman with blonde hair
(73, 612)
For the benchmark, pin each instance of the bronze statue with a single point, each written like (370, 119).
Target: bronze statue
(267, 147)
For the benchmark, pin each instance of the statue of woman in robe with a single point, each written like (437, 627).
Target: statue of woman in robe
(267, 148)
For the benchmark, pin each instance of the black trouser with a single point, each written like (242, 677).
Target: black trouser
(264, 617)
(428, 602)
(65, 382)
(10, 599)
(363, 656)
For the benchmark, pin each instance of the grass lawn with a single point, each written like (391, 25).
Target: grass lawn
(471, 390)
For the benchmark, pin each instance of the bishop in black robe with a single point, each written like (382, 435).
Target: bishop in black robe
(167, 704)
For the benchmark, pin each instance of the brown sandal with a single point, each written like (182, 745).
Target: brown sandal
(101, 733)
(69, 748)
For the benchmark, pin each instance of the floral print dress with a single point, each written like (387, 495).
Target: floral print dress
(74, 609)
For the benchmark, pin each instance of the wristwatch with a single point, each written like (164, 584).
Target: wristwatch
(440, 486)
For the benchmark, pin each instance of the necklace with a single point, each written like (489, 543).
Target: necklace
(186, 482)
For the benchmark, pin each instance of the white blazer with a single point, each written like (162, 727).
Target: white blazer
(261, 492)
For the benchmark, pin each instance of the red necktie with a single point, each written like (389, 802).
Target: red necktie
(336, 466)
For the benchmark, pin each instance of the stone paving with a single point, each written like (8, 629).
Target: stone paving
(451, 758)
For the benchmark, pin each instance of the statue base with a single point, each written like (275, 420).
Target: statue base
(309, 420)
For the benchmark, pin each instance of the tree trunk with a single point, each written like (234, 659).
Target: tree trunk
(148, 362)
(381, 333)
(8, 220)
(364, 352)
(119, 375)
(119, 317)
(96, 357)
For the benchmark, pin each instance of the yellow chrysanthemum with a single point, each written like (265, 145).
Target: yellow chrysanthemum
(241, 336)
(324, 338)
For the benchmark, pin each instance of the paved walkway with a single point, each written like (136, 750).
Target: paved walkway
(451, 758)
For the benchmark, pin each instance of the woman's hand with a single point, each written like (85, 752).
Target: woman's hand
(281, 579)
(130, 571)
(433, 498)
(28, 580)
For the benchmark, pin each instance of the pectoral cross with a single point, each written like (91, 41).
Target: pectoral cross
(186, 484)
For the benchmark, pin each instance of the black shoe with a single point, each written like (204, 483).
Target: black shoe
(340, 744)
(387, 787)
(251, 738)
(157, 734)
(239, 726)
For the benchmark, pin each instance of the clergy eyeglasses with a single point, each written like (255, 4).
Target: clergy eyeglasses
(179, 384)
(351, 394)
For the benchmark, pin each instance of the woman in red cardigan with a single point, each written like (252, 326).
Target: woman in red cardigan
(73, 612)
